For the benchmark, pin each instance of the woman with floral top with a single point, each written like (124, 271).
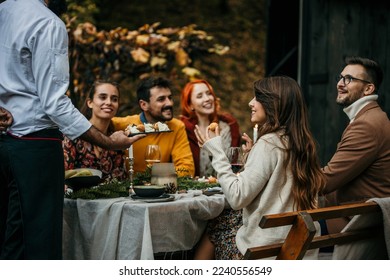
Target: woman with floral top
(100, 107)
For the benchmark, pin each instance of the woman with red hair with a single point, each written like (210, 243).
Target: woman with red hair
(200, 106)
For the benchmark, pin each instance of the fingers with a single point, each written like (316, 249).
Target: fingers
(249, 143)
(5, 119)
(204, 137)
(137, 137)
(121, 141)
(199, 136)
(246, 137)
(217, 131)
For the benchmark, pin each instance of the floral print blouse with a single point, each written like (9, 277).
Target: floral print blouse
(81, 154)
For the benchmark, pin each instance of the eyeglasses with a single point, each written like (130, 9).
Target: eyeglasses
(348, 78)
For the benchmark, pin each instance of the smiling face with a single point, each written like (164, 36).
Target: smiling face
(202, 100)
(160, 105)
(348, 94)
(258, 115)
(105, 102)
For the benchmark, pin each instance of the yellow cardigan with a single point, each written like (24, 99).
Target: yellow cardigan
(174, 146)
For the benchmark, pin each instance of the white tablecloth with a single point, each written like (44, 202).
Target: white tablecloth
(123, 228)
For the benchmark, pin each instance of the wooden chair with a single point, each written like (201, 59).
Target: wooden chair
(301, 235)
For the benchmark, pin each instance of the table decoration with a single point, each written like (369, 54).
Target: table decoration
(189, 183)
(116, 188)
(112, 189)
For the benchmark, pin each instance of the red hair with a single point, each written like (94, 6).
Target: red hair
(185, 100)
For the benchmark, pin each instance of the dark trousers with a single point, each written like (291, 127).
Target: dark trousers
(31, 196)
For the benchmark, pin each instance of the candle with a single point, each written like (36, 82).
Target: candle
(255, 133)
(131, 152)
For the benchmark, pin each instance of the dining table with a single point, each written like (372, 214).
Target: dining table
(125, 228)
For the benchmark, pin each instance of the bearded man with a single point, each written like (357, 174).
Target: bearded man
(359, 169)
(154, 96)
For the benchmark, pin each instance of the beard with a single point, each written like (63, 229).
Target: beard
(347, 99)
(163, 116)
(344, 102)
(58, 6)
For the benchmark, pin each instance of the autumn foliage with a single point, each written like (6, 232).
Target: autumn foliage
(125, 56)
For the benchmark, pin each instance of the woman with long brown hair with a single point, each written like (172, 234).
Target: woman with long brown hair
(282, 172)
(101, 105)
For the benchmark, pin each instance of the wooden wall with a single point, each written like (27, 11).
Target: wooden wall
(334, 29)
(330, 30)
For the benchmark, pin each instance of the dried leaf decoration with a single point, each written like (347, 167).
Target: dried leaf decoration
(140, 55)
(182, 57)
(219, 49)
(191, 72)
(142, 40)
(157, 61)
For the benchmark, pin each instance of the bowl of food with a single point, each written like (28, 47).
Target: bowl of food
(80, 178)
(149, 190)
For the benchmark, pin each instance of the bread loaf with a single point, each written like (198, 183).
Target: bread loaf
(213, 126)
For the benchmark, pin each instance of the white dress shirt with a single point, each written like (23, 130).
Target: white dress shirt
(34, 70)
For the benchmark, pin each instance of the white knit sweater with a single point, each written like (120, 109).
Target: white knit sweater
(263, 187)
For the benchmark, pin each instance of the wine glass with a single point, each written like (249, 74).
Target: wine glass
(236, 158)
(152, 155)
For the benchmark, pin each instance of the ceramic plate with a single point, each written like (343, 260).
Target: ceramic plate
(162, 198)
(208, 193)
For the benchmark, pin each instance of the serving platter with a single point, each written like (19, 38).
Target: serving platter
(150, 132)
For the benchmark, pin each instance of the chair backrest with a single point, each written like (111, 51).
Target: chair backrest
(301, 236)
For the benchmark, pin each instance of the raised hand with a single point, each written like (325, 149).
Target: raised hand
(248, 143)
(202, 138)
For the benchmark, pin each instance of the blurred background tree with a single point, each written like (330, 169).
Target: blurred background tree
(222, 41)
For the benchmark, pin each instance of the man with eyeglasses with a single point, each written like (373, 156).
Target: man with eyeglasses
(360, 168)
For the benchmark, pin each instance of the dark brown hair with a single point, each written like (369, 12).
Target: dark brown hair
(86, 111)
(373, 69)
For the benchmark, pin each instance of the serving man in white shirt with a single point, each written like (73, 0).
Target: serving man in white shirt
(34, 77)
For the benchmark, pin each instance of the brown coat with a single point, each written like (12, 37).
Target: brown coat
(360, 168)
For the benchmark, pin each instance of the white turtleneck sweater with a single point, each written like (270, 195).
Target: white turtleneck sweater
(353, 109)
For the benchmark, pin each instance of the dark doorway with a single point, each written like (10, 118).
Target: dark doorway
(282, 38)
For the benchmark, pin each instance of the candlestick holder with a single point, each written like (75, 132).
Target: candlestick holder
(131, 173)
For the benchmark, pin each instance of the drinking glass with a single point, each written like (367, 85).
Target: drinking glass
(236, 158)
(152, 155)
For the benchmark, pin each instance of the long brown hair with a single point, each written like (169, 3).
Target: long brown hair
(284, 105)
